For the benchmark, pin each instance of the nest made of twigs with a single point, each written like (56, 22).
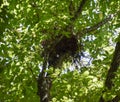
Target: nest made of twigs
(60, 48)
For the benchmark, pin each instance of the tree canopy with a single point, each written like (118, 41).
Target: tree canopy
(59, 51)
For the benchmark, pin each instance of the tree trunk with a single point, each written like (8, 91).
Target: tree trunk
(44, 84)
(111, 73)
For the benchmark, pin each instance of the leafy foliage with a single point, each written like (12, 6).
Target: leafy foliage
(26, 24)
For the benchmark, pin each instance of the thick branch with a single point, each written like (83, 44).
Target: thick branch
(79, 10)
(111, 73)
(114, 66)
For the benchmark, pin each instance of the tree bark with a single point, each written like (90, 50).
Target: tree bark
(44, 83)
(111, 73)
(114, 67)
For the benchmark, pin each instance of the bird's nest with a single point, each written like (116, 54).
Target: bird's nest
(60, 49)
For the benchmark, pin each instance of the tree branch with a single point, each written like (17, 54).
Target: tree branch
(44, 83)
(111, 73)
(79, 10)
(97, 25)
(115, 99)
(114, 67)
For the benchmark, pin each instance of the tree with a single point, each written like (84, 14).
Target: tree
(59, 51)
